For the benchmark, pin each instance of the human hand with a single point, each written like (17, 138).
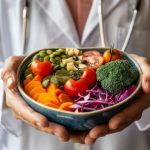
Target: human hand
(128, 115)
(20, 109)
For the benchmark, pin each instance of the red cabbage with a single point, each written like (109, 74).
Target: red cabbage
(98, 98)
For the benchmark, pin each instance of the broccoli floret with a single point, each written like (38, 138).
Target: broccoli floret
(116, 75)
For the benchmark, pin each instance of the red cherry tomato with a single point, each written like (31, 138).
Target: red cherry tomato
(41, 68)
(89, 75)
(73, 88)
(93, 58)
(111, 56)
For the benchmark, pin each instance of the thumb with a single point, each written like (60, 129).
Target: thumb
(8, 73)
(145, 66)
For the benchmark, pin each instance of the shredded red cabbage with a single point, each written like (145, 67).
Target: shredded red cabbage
(97, 98)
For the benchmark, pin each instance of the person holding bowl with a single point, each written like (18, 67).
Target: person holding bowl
(70, 24)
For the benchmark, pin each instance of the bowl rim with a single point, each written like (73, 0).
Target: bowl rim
(20, 88)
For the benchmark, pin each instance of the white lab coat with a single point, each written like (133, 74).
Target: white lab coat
(50, 25)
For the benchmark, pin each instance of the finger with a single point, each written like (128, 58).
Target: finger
(99, 131)
(88, 140)
(78, 136)
(33, 118)
(44, 129)
(60, 131)
(145, 66)
(120, 128)
(131, 113)
(8, 73)
(52, 128)
(14, 101)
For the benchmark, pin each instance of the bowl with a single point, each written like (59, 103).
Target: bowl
(82, 120)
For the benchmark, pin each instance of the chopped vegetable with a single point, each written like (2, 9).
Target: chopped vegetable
(71, 67)
(66, 106)
(45, 83)
(62, 76)
(73, 88)
(64, 98)
(37, 78)
(26, 81)
(48, 97)
(72, 80)
(41, 68)
(116, 75)
(36, 90)
(98, 98)
(93, 58)
(31, 85)
(72, 51)
(87, 79)
(58, 92)
(111, 55)
(75, 75)
(89, 75)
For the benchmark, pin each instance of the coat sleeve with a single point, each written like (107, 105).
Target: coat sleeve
(7, 121)
(144, 123)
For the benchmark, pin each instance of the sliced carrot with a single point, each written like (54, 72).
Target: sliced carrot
(37, 78)
(31, 85)
(51, 88)
(58, 92)
(53, 105)
(65, 106)
(44, 97)
(36, 95)
(48, 103)
(36, 90)
(64, 98)
(26, 81)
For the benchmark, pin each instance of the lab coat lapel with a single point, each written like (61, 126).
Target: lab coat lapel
(58, 12)
(92, 21)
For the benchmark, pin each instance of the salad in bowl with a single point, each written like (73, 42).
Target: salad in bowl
(79, 88)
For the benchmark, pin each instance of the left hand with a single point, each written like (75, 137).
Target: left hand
(127, 116)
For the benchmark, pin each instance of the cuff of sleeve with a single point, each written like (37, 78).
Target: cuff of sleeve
(144, 123)
(7, 119)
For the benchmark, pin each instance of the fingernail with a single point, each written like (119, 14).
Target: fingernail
(9, 82)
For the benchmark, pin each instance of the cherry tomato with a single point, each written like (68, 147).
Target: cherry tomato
(116, 54)
(89, 75)
(73, 88)
(41, 68)
(111, 56)
(93, 58)
(91, 53)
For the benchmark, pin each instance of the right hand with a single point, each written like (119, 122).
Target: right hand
(20, 109)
